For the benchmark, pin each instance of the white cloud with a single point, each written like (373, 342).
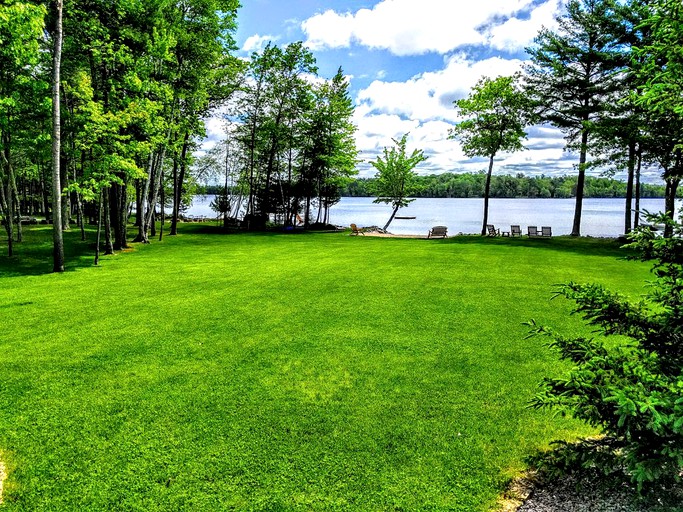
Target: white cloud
(256, 43)
(407, 27)
(516, 34)
(422, 106)
(430, 95)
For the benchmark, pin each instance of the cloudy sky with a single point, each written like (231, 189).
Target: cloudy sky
(407, 61)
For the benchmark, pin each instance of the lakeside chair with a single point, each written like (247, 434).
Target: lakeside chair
(515, 230)
(492, 231)
(546, 231)
(437, 231)
(355, 230)
(533, 231)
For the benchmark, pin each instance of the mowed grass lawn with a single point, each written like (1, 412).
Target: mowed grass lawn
(283, 372)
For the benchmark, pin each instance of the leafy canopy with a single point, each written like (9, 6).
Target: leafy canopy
(495, 113)
(395, 174)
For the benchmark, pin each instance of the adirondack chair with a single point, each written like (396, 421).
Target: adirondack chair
(492, 231)
(533, 231)
(515, 230)
(437, 232)
(546, 231)
(355, 230)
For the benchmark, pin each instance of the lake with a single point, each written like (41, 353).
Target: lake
(600, 217)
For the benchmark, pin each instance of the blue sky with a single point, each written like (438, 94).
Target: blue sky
(407, 60)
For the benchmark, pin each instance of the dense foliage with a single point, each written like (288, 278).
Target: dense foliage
(472, 185)
(138, 80)
(630, 386)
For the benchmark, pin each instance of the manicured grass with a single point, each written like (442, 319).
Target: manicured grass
(283, 372)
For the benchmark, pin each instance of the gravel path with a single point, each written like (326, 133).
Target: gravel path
(588, 493)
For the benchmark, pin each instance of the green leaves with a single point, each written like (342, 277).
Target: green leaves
(395, 174)
(495, 115)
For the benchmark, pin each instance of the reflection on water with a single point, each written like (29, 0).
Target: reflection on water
(600, 217)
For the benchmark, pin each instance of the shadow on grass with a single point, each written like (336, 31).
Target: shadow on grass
(582, 245)
(33, 256)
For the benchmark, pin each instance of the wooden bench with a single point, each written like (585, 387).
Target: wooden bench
(437, 232)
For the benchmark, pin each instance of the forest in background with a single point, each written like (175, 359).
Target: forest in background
(463, 185)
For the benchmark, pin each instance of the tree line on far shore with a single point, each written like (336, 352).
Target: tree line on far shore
(464, 185)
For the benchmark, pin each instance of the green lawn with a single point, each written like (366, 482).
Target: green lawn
(282, 372)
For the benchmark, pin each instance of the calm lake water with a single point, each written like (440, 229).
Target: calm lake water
(600, 217)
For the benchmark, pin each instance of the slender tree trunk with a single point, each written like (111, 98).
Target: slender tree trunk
(636, 217)
(307, 210)
(628, 213)
(393, 214)
(66, 197)
(178, 196)
(108, 243)
(576, 228)
(141, 201)
(157, 184)
(17, 204)
(79, 202)
(118, 206)
(163, 205)
(7, 209)
(99, 230)
(44, 190)
(174, 215)
(670, 203)
(487, 191)
(57, 236)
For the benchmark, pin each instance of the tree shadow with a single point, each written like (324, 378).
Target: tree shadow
(33, 256)
(583, 245)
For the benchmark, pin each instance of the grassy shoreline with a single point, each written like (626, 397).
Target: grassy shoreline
(284, 372)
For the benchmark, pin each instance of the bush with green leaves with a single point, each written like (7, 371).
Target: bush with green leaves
(627, 380)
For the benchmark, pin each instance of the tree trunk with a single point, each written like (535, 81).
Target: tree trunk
(178, 188)
(576, 228)
(636, 217)
(141, 201)
(6, 207)
(157, 184)
(163, 205)
(57, 236)
(99, 230)
(628, 213)
(44, 190)
(79, 202)
(487, 191)
(66, 197)
(393, 214)
(670, 203)
(108, 244)
(118, 215)
(17, 203)
(174, 214)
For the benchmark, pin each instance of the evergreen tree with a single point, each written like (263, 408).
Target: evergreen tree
(571, 76)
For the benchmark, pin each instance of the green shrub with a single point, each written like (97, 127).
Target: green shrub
(628, 379)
